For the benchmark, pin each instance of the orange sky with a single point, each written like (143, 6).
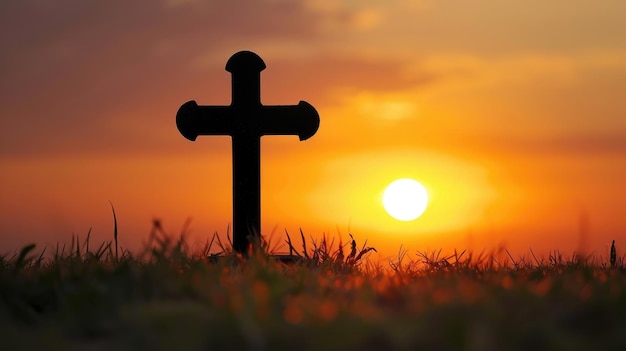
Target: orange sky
(511, 114)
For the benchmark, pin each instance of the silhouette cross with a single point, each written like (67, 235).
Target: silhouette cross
(246, 120)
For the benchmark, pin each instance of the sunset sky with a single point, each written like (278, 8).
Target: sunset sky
(512, 114)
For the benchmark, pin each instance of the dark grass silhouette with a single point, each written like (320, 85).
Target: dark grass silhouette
(171, 296)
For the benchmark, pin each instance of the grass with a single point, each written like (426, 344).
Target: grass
(169, 297)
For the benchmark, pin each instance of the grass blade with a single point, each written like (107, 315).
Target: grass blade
(114, 230)
(613, 254)
(21, 261)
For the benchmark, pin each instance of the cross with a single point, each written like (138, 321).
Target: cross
(246, 119)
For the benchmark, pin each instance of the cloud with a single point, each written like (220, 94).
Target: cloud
(611, 144)
(74, 74)
(71, 68)
(480, 27)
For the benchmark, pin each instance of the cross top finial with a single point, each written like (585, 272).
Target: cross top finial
(245, 61)
(245, 68)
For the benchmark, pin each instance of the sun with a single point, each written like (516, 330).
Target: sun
(405, 199)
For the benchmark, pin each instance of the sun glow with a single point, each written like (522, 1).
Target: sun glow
(405, 199)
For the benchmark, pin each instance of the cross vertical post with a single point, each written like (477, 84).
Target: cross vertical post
(246, 190)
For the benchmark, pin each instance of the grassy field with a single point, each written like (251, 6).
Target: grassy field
(170, 298)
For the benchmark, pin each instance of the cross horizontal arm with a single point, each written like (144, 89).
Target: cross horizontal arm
(301, 120)
(193, 120)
